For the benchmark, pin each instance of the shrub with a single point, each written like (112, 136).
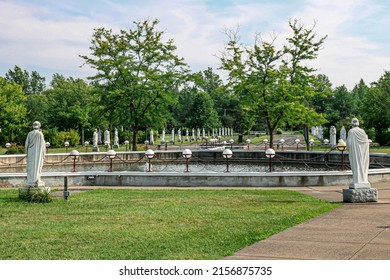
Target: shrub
(34, 194)
(16, 150)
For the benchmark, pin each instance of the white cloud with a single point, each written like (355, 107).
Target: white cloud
(50, 36)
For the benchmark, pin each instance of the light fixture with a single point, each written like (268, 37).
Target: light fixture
(75, 155)
(227, 154)
(341, 146)
(270, 153)
(149, 154)
(111, 155)
(187, 154)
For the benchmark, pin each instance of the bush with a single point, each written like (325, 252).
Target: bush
(34, 194)
(279, 131)
(16, 150)
(61, 137)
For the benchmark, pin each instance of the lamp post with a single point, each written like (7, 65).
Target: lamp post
(146, 144)
(227, 154)
(127, 145)
(341, 146)
(311, 144)
(248, 141)
(86, 143)
(47, 144)
(7, 145)
(297, 141)
(270, 153)
(66, 144)
(75, 155)
(106, 145)
(206, 139)
(265, 141)
(149, 154)
(231, 143)
(326, 143)
(187, 154)
(111, 155)
(281, 141)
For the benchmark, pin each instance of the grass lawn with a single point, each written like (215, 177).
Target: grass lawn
(148, 224)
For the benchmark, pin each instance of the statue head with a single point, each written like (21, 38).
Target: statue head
(355, 122)
(36, 125)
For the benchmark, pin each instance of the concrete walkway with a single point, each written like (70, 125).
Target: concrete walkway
(358, 231)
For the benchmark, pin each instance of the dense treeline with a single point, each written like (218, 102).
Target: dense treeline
(141, 84)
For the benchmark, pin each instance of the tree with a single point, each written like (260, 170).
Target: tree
(376, 112)
(137, 72)
(202, 113)
(31, 84)
(275, 85)
(13, 112)
(71, 103)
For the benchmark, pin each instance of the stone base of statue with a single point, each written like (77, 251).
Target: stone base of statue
(115, 146)
(37, 193)
(360, 195)
(95, 149)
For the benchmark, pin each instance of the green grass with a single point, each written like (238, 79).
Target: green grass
(148, 224)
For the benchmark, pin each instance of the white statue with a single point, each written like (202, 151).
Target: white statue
(359, 157)
(95, 138)
(36, 150)
(116, 138)
(332, 139)
(151, 137)
(343, 134)
(107, 138)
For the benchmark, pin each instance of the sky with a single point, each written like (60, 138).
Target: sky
(48, 36)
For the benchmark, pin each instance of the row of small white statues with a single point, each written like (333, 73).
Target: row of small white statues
(317, 131)
(214, 134)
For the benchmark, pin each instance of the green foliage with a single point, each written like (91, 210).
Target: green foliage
(203, 114)
(31, 83)
(274, 85)
(137, 72)
(16, 150)
(58, 138)
(34, 194)
(13, 112)
(71, 104)
(376, 111)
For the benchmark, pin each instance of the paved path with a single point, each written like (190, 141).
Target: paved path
(354, 231)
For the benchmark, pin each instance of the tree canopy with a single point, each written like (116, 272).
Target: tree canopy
(137, 72)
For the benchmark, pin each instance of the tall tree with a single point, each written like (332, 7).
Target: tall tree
(275, 85)
(138, 72)
(13, 112)
(376, 113)
(203, 113)
(71, 104)
(32, 83)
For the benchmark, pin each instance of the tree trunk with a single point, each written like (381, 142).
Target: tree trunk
(135, 137)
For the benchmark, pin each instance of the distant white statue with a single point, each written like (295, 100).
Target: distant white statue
(163, 136)
(332, 139)
(359, 155)
(343, 134)
(173, 135)
(36, 150)
(187, 135)
(95, 141)
(116, 138)
(179, 135)
(151, 137)
(95, 138)
(99, 137)
(107, 138)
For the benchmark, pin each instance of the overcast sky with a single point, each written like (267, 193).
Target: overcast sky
(48, 35)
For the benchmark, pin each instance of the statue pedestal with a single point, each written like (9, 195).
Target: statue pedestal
(360, 195)
(96, 149)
